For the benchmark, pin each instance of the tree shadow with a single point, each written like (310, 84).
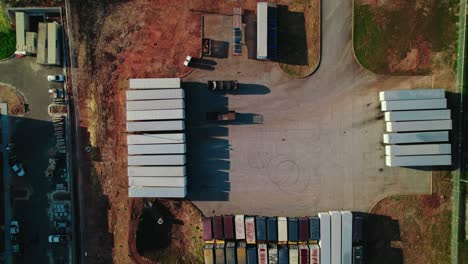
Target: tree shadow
(292, 39)
(219, 49)
(250, 20)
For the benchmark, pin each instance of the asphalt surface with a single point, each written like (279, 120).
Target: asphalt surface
(320, 145)
(34, 141)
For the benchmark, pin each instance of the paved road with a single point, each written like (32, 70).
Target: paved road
(319, 147)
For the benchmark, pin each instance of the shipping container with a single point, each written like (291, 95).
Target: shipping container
(155, 83)
(293, 229)
(156, 149)
(155, 104)
(419, 126)
(155, 160)
(207, 229)
(134, 95)
(346, 237)
(160, 192)
(419, 137)
(358, 255)
(144, 139)
(272, 254)
(335, 237)
(250, 229)
(230, 253)
(415, 150)
(240, 227)
(359, 229)
(208, 254)
(157, 181)
(293, 254)
(282, 230)
(314, 228)
(220, 254)
(303, 229)
(304, 254)
(417, 94)
(165, 114)
(241, 253)
(414, 104)
(172, 125)
(272, 229)
(283, 255)
(262, 253)
(261, 228)
(168, 171)
(417, 115)
(325, 238)
(314, 254)
(252, 255)
(426, 160)
(228, 222)
(218, 227)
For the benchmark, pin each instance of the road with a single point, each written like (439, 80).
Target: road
(319, 147)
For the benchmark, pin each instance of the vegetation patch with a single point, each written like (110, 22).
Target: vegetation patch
(404, 37)
(7, 35)
(299, 37)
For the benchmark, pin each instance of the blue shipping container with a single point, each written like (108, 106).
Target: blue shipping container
(314, 228)
(261, 228)
(283, 255)
(252, 255)
(272, 229)
(293, 229)
(231, 253)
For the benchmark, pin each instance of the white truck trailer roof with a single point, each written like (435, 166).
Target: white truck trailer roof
(171, 125)
(346, 237)
(159, 171)
(162, 192)
(155, 114)
(314, 254)
(262, 30)
(156, 160)
(418, 137)
(412, 94)
(240, 228)
(335, 237)
(419, 125)
(415, 150)
(157, 181)
(293, 254)
(282, 229)
(155, 83)
(414, 104)
(134, 95)
(417, 115)
(144, 139)
(156, 149)
(426, 160)
(155, 104)
(325, 238)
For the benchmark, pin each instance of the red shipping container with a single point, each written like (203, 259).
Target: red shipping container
(228, 221)
(207, 229)
(303, 229)
(218, 227)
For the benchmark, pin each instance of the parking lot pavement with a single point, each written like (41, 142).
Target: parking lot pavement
(33, 144)
(319, 147)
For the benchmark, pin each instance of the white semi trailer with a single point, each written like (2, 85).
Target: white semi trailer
(165, 114)
(157, 181)
(426, 160)
(335, 237)
(412, 94)
(346, 237)
(155, 83)
(418, 137)
(419, 126)
(156, 149)
(133, 95)
(325, 238)
(161, 192)
(156, 160)
(400, 105)
(417, 115)
(156, 171)
(155, 104)
(420, 149)
(171, 125)
(177, 138)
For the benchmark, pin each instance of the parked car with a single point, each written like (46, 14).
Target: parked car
(14, 227)
(57, 93)
(18, 169)
(54, 239)
(56, 78)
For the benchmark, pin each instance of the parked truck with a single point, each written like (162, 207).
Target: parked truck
(282, 230)
(218, 227)
(283, 255)
(346, 237)
(423, 160)
(415, 150)
(262, 253)
(293, 254)
(250, 229)
(208, 254)
(228, 222)
(261, 228)
(293, 230)
(220, 256)
(240, 227)
(416, 94)
(428, 125)
(400, 105)
(304, 254)
(335, 237)
(314, 228)
(325, 238)
(303, 229)
(359, 230)
(272, 254)
(252, 255)
(241, 253)
(272, 229)
(417, 115)
(358, 255)
(231, 253)
(314, 254)
(207, 229)
(418, 137)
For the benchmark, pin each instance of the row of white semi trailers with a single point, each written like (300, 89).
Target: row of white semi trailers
(417, 124)
(156, 139)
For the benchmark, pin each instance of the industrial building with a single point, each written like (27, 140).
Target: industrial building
(419, 124)
(267, 31)
(156, 138)
(49, 44)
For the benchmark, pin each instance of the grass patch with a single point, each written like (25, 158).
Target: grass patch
(7, 35)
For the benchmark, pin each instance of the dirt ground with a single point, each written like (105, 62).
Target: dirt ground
(413, 229)
(14, 100)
